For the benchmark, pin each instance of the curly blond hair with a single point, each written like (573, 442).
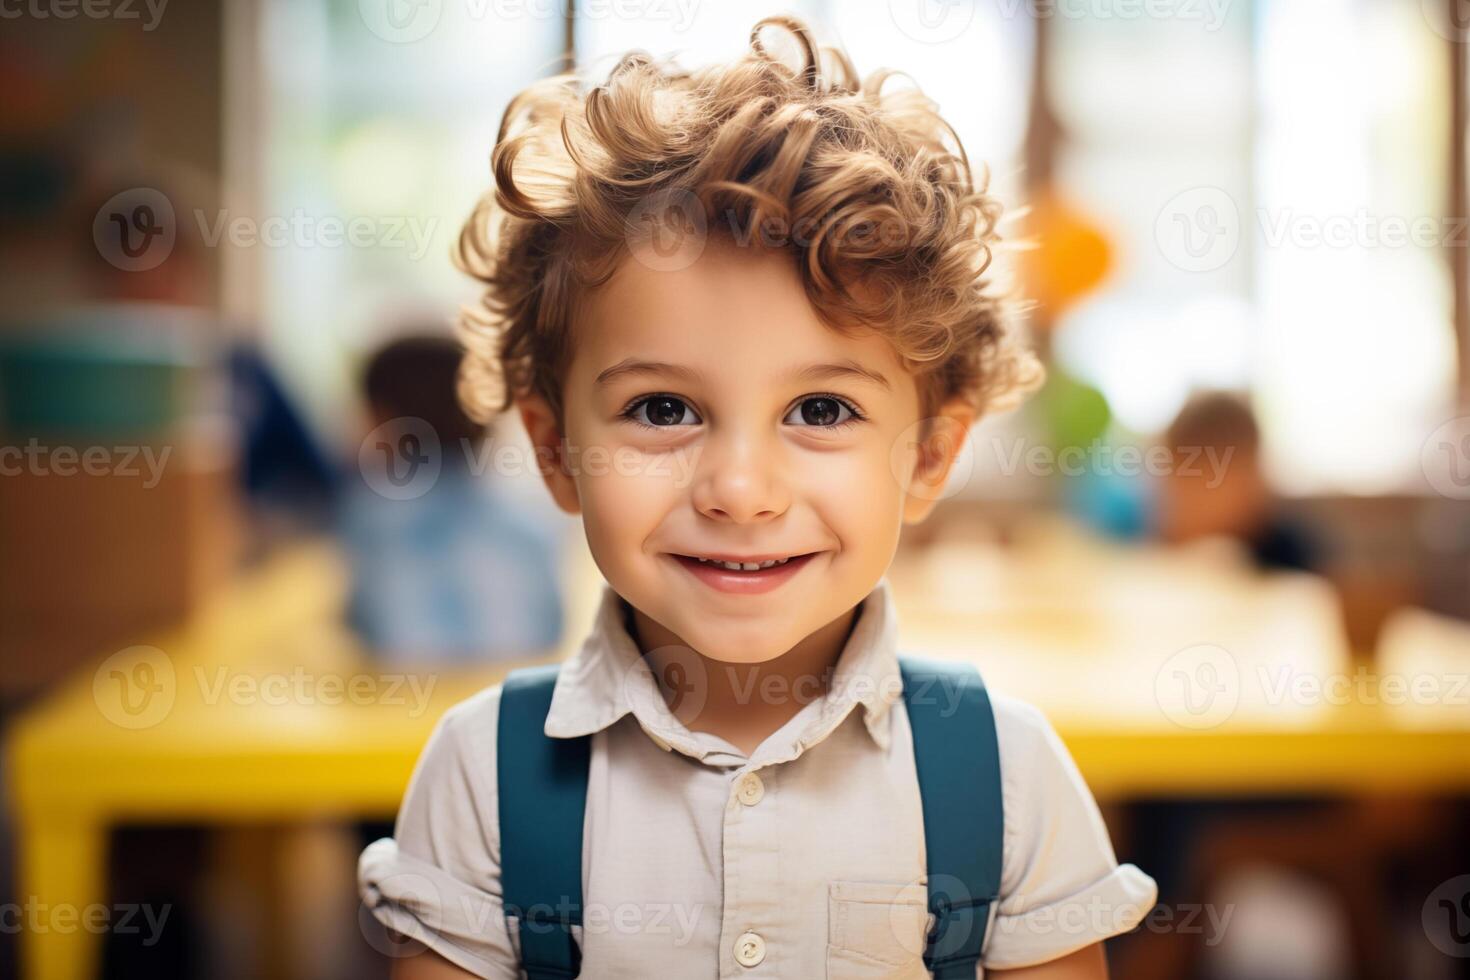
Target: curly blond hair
(898, 236)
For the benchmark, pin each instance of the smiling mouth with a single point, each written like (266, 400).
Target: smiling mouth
(743, 574)
(741, 566)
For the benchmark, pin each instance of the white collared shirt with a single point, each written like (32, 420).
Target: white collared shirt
(804, 859)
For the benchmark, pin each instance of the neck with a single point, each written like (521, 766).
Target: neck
(744, 703)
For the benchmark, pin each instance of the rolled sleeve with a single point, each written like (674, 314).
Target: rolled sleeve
(1061, 885)
(437, 880)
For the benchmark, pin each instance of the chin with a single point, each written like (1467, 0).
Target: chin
(743, 655)
(739, 647)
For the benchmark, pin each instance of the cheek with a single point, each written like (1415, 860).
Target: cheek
(625, 495)
(857, 493)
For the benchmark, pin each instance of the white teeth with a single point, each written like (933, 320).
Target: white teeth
(749, 566)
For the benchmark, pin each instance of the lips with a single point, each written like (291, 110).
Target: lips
(743, 574)
(740, 566)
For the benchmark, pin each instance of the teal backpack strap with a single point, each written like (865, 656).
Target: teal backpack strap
(958, 761)
(543, 796)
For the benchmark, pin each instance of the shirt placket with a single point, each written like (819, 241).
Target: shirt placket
(759, 938)
(751, 933)
(755, 936)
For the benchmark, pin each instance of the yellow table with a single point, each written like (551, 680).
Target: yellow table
(262, 709)
(259, 709)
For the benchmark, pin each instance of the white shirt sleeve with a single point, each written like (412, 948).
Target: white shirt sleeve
(1061, 886)
(437, 880)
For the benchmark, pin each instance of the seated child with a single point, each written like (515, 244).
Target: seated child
(1217, 486)
(445, 568)
(743, 314)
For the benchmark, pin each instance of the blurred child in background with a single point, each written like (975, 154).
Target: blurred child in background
(443, 567)
(1196, 499)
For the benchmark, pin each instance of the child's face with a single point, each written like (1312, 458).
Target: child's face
(709, 413)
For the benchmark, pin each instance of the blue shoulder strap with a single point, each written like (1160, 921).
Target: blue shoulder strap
(958, 761)
(543, 798)
(542, 785)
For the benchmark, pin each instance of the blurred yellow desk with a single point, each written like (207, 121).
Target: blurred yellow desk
(1173, 672)
(262, 709)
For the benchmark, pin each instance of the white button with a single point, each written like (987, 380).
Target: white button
(750, 949)
(750, 790)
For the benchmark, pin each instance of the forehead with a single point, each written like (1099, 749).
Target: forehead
(743, 310)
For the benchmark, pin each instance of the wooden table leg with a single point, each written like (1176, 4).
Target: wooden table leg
(62, 895)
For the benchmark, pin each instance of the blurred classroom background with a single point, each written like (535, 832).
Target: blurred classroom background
(250, 550)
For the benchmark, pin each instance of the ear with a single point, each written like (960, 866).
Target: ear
(549, 446)
(942, 438)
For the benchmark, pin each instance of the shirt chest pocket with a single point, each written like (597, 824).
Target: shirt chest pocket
(876, 930)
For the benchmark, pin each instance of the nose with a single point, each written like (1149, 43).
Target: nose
(738, 481)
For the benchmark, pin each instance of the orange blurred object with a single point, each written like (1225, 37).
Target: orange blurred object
(1066, 255)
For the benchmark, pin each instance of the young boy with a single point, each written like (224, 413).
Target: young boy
(743, 316)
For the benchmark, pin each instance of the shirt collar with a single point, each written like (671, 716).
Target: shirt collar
(608, 678)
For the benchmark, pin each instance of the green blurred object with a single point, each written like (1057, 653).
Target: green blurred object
(83, 382)
(1075, 412)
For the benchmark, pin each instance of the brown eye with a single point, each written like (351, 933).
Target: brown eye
(819, 410)
(663, 410)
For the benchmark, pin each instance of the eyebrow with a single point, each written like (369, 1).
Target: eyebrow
(813, 372)
(633, 366)
(841, 369)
